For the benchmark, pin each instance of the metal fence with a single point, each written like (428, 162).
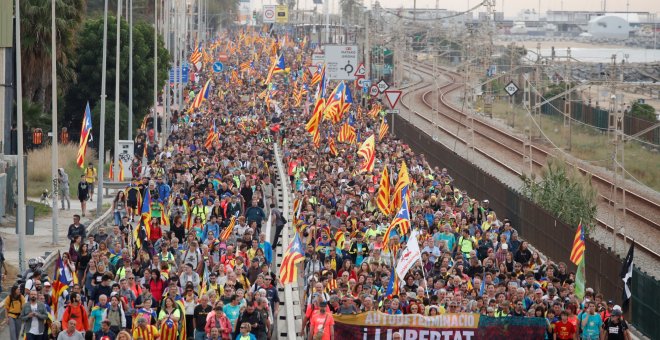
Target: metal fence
(551, 236)
(645, 302)
(598, 118)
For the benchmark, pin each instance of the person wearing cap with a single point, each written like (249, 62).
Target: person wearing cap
(615, 328)
(322, 324)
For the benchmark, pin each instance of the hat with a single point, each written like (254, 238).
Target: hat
(617, 312)
(46, 284)
(505, 246)
(610, 302)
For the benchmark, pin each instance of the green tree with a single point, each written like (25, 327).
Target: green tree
(36, 46)
(109, 136)
(88, 68)
(644, 111)
(564, 192)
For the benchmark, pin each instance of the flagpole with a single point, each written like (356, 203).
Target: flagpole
(20, 214)
(53, 99)
(99, 193)
(155, 116)
(117, 103)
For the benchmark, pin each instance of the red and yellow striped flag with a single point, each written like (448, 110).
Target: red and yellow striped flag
(294, 254)
(346, 133)
(368, 151)
(224, 236)
(577, 252)
(382, 131)
(402, 180)
(332, 146)
(383, 198)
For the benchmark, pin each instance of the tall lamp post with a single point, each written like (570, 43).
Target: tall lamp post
(53, 95)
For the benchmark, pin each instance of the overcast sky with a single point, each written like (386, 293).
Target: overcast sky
(512, 7)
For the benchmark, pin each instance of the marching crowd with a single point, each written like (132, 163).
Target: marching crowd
(188, 255)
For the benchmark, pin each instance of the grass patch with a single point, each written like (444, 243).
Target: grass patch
(587, 143)
(40, 209)
(39, 168)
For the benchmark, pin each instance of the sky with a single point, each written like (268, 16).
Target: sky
(512, 7)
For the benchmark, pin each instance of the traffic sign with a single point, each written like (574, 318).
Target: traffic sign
(269, 13)
(374, 90)
(511, 88)
(382, 86)
(360, 82)
(340, 62)
(312, 69)
(282, 14)
(179, 74)
(394, 112)
(361, 71)
(393, 97)
(218, 67)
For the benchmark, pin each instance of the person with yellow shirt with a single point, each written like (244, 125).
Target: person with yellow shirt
(13, 305)
(466, 243)
(90, 178)
(145, 331)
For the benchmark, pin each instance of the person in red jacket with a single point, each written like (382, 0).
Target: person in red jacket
(156, 285)
(76, 311)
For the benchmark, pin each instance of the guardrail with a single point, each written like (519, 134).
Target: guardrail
(291, 333)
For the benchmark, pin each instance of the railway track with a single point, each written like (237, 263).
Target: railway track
(486, 136)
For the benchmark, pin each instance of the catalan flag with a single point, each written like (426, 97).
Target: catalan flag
(111, 171)
(383, 130)
(401, 220)
(294, 254)
(393, 285)
(340, 238)
(332, 146)
(201, 96)
(312, 125)
(121, 171)
(225, 234)
(61, 281)
(85, 136)
(346, 133)
(164, 218)
(141, 232)
(368, 151)
(403, 179)
(383, 198)
(577, 253)
(277, 67)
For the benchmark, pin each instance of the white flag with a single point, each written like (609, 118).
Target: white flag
(409, 256)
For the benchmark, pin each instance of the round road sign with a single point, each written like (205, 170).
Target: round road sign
(373, 90)
(269, 14)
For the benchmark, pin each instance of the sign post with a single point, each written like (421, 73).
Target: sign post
(393, 97)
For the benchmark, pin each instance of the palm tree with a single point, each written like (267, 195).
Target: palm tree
(36, 35)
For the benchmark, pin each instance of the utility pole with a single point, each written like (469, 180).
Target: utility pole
(53, 101)
(99, 193)
(326, 9)
(367, 45)
(130, 69)
(567, 100)
(155, 111)
(537, 93)
(115, 164)
(513, 114)
(488, 23)
(616, 121)
(20, 214)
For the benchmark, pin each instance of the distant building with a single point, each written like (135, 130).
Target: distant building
(609, 26)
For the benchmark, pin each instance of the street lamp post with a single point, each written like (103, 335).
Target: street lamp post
(20, 217)
(99, 193)
(53, 99)
(117, 104)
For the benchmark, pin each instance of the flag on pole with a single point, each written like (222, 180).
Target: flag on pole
(383, 130)
(580, 280)
(368, 152)
(577, 252)
(60, 282)
(626, 276)
(294, 254)
(85, 135)
(225, 234)
(277, 67)
(402, 180)
(401, 220)
(111, 172)
(383, 198)
(393, 285)
(201, 96)
(332, 146)
(410, 256)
